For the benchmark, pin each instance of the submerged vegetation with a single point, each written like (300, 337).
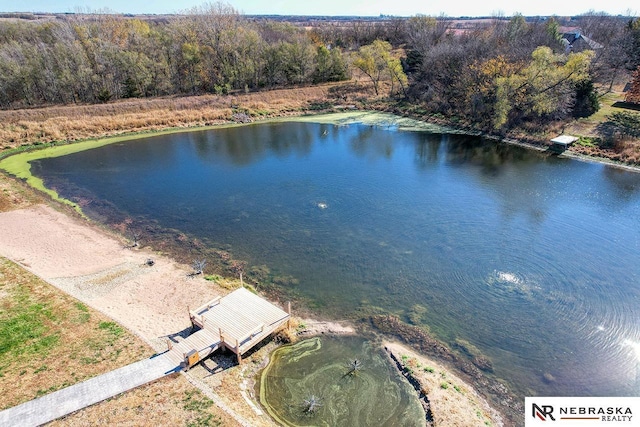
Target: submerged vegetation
(354, 366)
(311, 404)
(307, 379)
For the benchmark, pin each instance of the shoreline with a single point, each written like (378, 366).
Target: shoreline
(351, 113)
(75, 255)
(16, 161)
(81, 279)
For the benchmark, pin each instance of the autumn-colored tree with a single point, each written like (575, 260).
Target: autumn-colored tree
(480, 96)
(103, 57)
(330, 65)
(633, 94)
(545, 86)
(377, 63)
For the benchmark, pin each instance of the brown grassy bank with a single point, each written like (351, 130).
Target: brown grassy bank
(78, 122)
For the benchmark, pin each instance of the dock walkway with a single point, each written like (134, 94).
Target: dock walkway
(237, 322)
(68, 400)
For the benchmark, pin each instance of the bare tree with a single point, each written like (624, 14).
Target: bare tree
(198, 266)
(135, 237)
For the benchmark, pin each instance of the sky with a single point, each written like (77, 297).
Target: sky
(340, 7)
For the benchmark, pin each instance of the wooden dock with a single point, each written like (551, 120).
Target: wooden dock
(560, 143)
(237, 322)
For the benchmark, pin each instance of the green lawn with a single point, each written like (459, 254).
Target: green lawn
(49, 340)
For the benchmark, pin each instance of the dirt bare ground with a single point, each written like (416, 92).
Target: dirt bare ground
(104, 272)
(448, 400)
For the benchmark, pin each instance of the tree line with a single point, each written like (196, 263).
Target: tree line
(495, 73)
(212, 49)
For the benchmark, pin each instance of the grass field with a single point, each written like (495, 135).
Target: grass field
(587, 126)
(49, 340)
(625, 151)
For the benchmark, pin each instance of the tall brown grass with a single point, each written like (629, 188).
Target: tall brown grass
(77, 122)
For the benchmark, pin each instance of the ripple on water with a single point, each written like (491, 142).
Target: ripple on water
(501, 282)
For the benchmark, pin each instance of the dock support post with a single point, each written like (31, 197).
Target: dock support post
(238, 353)
(193, 325)
(289, 312)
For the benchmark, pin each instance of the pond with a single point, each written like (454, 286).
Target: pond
(337, 382)
(532, 259)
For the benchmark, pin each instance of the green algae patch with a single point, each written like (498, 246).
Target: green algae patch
(19, 164)
(372, 118)
(314, 382)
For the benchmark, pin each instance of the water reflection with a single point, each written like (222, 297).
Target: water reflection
(427, 149)
(532, 259)
(624, 184)
(372, 143)
(253, 144)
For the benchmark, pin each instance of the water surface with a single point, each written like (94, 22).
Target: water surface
(532, 259)
(319, 368)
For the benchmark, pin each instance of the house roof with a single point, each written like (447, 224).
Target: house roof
(576, 35)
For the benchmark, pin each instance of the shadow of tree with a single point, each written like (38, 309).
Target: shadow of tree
(607, 133)
(619, 126)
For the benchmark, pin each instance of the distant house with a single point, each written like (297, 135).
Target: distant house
(574, 41)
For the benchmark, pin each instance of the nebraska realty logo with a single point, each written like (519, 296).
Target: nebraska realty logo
(582, 411)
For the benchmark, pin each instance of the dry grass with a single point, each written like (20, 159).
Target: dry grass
(13, 195)
(50, 340)
(171, 401)
(453, 402)
(77, 122)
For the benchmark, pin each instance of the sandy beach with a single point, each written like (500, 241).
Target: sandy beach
(104, 271)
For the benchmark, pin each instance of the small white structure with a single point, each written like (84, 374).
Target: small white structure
(237, 321)
(562, 142)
